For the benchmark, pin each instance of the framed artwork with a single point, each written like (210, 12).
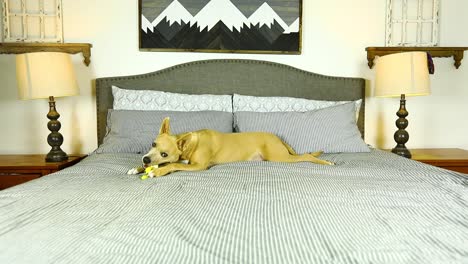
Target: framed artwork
(412, 23)
(32, 20)
(244, 26)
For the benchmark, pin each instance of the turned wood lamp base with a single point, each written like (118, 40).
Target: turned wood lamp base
(401, 136)
(55, 139)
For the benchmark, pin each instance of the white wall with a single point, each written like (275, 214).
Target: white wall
(335, 34)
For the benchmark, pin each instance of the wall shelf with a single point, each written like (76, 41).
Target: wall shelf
(71, 48)
(437, 52)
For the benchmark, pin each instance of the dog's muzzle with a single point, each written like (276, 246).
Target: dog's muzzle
(146, 160)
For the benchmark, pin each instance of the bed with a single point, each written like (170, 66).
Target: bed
(371, 207)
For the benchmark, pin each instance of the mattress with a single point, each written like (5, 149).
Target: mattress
(369, 208)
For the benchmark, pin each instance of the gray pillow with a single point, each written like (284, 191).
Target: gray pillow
(332, 129)
(132, 131)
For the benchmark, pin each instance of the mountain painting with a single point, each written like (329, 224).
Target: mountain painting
(247, 26)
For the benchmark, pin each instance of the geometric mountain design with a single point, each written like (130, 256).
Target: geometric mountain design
(265, 15)
(220, 10)
(219, 25)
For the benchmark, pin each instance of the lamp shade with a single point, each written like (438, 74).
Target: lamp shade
(402, 73)
(44, 74)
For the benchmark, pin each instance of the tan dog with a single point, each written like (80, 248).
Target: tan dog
(204, 148)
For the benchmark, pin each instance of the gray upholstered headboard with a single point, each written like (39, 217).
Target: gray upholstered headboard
(247, 77)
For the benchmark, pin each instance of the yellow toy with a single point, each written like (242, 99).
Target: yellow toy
(147, 173)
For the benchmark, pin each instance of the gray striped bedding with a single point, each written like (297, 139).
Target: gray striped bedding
(370, 208)
(332, 129)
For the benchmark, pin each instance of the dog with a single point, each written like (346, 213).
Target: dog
(205, 148)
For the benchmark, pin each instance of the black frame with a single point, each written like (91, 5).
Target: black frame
(243, 41)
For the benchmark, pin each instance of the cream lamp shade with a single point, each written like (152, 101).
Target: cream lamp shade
(44, 74)
(402, 73)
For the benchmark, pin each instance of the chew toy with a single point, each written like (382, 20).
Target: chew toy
(147, 171)
(147, 175)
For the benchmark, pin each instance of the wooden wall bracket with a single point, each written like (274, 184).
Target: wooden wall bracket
(438, 52)
(71, 48)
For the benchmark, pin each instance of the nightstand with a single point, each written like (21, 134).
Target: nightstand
(17, 169)
(448, 158)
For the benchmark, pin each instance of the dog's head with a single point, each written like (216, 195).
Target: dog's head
(166, 148)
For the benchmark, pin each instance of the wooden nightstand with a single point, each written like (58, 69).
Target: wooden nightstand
(17, 169)
(447, 158)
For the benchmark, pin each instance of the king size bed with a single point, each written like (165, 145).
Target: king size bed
(371, 207)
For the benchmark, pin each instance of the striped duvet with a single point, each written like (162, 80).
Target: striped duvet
(370, 208)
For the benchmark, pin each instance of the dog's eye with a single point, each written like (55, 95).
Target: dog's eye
(163, 154)
(153, 145)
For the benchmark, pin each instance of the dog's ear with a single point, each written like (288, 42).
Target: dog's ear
(165, 129)
(184, 143)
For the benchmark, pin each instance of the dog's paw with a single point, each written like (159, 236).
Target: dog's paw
(157, 172)
(134, 171)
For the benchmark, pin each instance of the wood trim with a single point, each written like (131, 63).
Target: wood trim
(447, 158)
(437, 52)
(26, 170)
(18, 169)
(462, 169)
(36, 163)
(207, 50)
(71, 48)
(7, 181)
(454, 159)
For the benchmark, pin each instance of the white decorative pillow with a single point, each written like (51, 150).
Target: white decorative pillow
(244, 103)
(164, 101)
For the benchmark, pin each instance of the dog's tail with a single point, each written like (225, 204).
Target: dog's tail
(292, 152)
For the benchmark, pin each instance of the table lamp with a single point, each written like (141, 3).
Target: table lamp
(398, 75)
(47, 75)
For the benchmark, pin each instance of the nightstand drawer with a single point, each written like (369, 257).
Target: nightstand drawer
(450, 159)
(456, 168)
(10, 180)
(17, 169)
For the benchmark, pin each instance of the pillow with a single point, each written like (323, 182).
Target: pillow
(164, 101)
(332, 129)
(244, 103)
(132, 131)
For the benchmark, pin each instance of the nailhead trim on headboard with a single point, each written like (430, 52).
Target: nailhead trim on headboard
(326, 87)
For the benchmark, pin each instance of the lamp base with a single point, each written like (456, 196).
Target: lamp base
(56, 156)
(402, 151)
(401, 136)
(55, 139)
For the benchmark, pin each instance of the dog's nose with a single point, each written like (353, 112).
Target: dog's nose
(146, 160)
